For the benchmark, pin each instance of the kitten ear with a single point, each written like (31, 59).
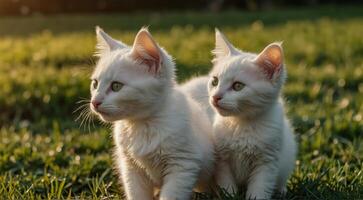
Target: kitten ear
(106, 43)
(271, 59)
(223, 46)
(146, 50)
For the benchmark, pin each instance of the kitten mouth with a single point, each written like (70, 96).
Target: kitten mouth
(218, 107)
(105, 116)
(221, 108)
(224, 111)
(103, 113)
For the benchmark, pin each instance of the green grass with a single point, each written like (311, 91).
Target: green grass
(45, 63)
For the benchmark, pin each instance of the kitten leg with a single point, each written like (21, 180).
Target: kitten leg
(179, 183)
(135, 182)
(282, 191)
(224, 178)
(262, 182)
(281, 188)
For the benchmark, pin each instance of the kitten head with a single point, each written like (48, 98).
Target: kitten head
(242, 83)
(130, 82)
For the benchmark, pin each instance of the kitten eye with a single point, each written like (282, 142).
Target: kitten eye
(238, 86)
(94, 84)
(214, 81)
(116, 86)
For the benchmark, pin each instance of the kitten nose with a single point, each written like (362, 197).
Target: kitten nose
(216, 98)
(96, 103)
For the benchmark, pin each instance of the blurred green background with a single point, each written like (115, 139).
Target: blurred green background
(45, 63)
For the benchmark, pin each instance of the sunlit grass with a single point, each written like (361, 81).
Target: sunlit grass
(44, 72)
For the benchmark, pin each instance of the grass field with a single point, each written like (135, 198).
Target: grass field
(45, 63)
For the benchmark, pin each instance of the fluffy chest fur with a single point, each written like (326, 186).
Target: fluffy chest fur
(147, 145)
(247, 145)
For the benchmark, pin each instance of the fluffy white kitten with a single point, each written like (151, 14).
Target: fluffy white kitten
(163, 139)
(254, 139)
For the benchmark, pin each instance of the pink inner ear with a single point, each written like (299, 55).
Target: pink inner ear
(152, 50)
(147, 51)
(270, 60)
(153, 64)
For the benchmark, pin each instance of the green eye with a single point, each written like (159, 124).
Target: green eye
(94, 84)
(116, 86)
(214, 81)
(238, 86)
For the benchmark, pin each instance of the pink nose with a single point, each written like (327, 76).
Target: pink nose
(216, 98)
(96, 103)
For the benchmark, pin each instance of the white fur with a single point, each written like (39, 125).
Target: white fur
(255, 142)
(163, 138)
(197, 88)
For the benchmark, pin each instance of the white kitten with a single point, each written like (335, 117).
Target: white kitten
(254, 140)
(163, 139)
